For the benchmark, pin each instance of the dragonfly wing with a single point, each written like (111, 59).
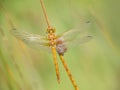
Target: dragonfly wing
(30, 39)
(81, 33)
(75, 37)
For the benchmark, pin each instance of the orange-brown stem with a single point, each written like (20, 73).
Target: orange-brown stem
(45, 14)
(56, 64)
(68, 72)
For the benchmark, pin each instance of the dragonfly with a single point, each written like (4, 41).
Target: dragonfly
(58, 44)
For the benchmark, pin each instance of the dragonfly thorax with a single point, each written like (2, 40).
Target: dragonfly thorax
(52, 39)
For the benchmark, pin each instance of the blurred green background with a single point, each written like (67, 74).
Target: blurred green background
(95, 65)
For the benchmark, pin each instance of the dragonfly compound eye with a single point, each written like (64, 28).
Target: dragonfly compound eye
(61, 49)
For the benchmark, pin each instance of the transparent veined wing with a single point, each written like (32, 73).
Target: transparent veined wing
(75, 37)
(33, 40)
(79, 35)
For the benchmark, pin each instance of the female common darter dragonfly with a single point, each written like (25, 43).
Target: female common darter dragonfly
(57, 43)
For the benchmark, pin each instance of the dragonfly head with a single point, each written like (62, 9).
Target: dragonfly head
(60, 46)
(51, 30)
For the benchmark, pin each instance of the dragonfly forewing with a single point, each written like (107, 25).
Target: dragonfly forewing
(33, 40)
(75, 37)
